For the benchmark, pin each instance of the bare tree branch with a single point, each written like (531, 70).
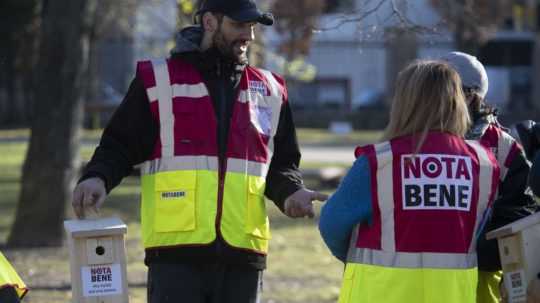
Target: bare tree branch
(360, 15)
(353, 17)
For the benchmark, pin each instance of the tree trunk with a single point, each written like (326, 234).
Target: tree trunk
(465, 42)
(51, 161)
(11, 79)
(19, 20)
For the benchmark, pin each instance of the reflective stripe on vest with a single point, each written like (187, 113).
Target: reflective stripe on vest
(203, 163)
(411, 260)
(502, 145)
(180, 182)
(10, 278)
(164, 98)
(384, 259)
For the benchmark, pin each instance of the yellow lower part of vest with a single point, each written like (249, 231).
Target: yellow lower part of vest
(180, 208)
(8, 277)
(245, 225)
(488, 287)
(375, 284)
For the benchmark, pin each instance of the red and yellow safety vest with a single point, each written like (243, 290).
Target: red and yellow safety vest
(502, 145)
(10, 278)
(506, 149)
(187, 196)
(426, 210)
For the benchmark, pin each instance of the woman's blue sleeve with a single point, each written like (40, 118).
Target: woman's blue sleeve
(348, 206)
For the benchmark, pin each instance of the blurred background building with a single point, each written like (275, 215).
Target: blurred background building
(340, 57)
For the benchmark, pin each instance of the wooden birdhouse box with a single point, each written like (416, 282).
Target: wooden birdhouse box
(519, 249)
(97, 260)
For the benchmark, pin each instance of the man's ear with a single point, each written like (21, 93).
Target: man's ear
(209, 22)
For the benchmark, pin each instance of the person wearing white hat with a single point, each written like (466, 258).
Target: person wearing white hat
(514, 200)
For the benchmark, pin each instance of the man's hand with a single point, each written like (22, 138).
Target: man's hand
(300, 204)
(90, 193)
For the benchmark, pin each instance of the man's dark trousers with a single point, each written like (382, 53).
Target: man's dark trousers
(203, 283)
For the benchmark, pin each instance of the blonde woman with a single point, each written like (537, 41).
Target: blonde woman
(406, 216)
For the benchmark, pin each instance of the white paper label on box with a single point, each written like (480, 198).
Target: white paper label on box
(516, 285)
(101, 280)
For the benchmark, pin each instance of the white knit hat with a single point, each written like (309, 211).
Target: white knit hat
(472, 73)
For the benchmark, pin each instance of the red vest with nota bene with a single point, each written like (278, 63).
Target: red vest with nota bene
(188, 194)
(427, 209)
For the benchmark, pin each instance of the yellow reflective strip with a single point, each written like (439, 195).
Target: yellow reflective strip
(412, 260)
(166, 117)
(250, 167)
(180, 163)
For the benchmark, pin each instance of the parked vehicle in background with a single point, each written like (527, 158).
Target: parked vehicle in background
(369, 98)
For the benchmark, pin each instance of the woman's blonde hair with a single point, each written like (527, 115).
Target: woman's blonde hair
(428, 97)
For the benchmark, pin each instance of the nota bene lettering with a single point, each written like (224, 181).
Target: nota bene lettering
(101, 274)
(432, 181)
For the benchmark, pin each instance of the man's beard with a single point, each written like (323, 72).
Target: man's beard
(226, 48)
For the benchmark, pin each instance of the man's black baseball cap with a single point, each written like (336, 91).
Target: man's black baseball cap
(238, 10)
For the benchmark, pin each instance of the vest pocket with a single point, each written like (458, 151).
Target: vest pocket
(257, 224)
(175, 201)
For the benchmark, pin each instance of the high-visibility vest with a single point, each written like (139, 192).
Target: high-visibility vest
(187, 196)
(10, 278)
(426, 211)
(502, 145)
(506, 149)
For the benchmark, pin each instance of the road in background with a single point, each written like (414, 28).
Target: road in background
(331, 154)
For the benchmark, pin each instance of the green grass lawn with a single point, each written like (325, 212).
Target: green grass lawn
(324, 138)
(300, 268)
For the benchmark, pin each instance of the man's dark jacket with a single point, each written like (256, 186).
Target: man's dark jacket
(130, 136)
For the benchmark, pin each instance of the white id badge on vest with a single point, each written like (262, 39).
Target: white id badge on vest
(261, 118)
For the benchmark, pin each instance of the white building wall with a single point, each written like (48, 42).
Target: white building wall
(363, 65)
(357, 50)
